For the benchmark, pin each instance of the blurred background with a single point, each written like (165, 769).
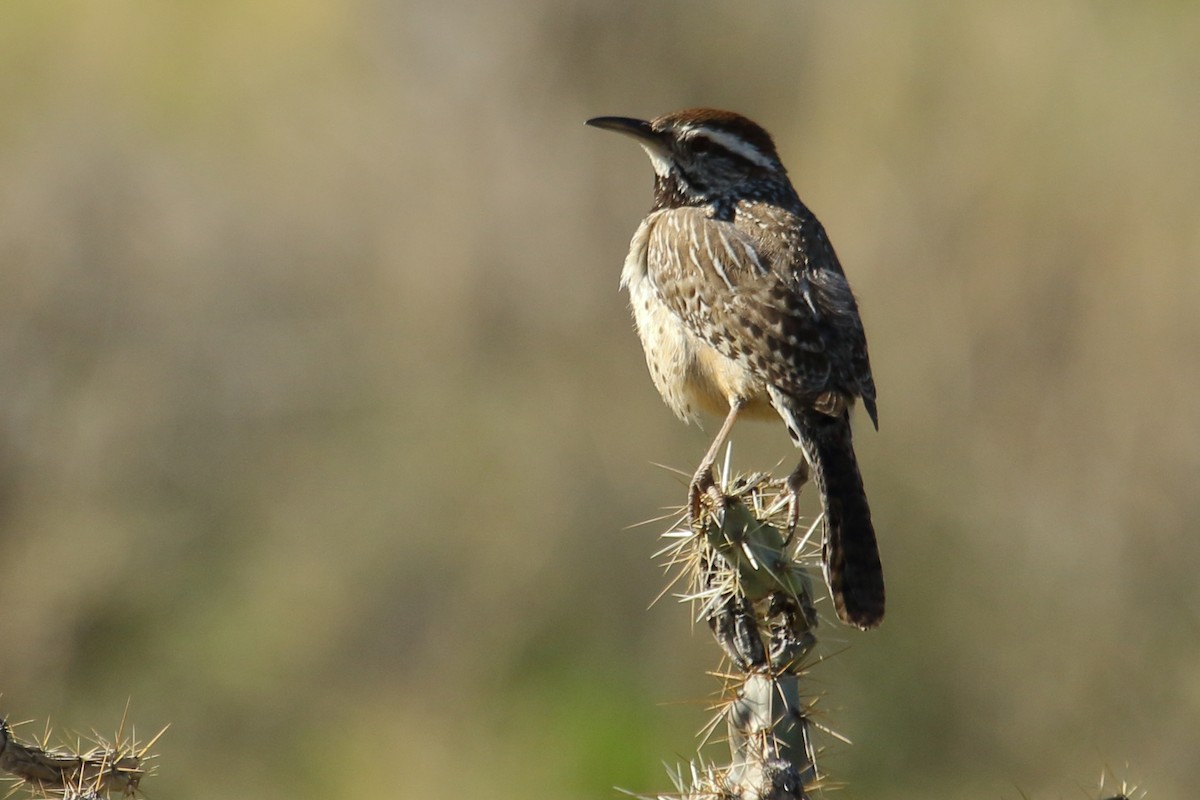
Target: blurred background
(323, 423)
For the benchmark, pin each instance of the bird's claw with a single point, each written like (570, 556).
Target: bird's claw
(703, 484)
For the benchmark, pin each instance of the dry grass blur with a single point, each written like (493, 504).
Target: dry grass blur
(321, 416)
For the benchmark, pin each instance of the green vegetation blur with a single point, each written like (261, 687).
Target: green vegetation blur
(322, 421)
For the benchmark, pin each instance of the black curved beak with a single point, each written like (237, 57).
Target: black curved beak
(637, 128)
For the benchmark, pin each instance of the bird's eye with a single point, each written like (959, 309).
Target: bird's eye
(702, 145)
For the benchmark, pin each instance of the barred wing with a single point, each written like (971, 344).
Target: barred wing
(710, 273)
(837, 309)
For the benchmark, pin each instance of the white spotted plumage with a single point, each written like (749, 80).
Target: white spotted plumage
(743, 308)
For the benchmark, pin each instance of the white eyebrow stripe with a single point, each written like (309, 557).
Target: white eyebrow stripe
(732, 143)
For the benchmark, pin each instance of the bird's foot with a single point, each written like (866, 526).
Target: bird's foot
(703, 484)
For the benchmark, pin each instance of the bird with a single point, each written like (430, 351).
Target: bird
(743, 310)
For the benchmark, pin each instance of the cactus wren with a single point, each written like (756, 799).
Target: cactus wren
(743, 310)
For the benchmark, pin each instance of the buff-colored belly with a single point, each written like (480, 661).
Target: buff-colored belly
(691, 376)
(717, 381)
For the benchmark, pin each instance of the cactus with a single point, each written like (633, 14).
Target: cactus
(749, 579)
(749, 582)
(76, 773)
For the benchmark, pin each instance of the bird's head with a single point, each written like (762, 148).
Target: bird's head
(702, 155)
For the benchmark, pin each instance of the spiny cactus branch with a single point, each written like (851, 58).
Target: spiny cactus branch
(78, 773)
(750, 584)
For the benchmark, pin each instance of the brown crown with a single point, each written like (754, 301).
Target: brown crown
(719, 120)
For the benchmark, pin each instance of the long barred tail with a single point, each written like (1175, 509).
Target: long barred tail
(850, 553)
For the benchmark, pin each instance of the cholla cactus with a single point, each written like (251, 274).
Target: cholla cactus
(82, 772)
(749, 581)
(1124, 792)
(748, 578)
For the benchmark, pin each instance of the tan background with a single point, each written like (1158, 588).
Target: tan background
(321, 417)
